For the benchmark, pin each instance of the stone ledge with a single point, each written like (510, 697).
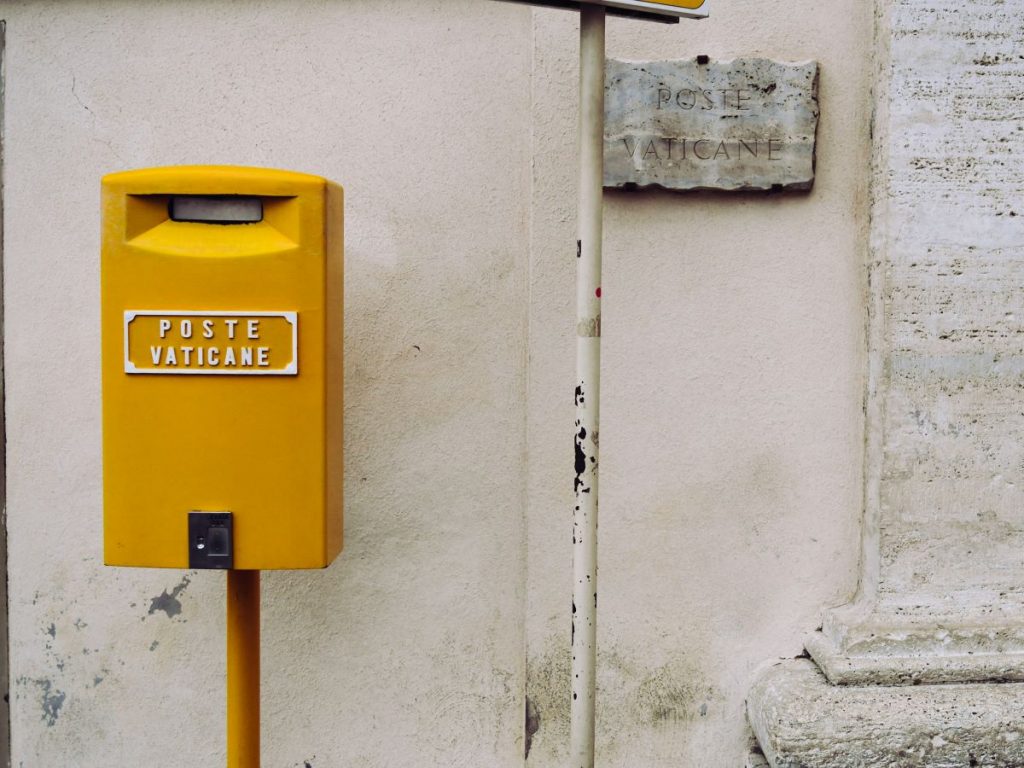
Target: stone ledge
(912, 664)
(803, 721)
(890, 632)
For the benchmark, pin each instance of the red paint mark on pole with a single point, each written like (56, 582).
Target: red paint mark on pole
(598, 292)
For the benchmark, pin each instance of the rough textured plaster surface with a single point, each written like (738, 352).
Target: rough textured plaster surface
(944, 591)
(953, 460)
(408, 651)
(731, 437)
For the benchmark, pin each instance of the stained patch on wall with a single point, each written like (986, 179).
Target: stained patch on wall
(168, 602)
(51, 700)
(532, 726)
(547, 692)
(669, 694)
(634, 699)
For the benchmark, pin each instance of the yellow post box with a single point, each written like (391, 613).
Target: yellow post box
(222, 368)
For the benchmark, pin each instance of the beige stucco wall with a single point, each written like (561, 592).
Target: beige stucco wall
(400, 654)
(733, 378)
(732, 435)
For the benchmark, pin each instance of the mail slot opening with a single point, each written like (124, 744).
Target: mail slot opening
(216, 209)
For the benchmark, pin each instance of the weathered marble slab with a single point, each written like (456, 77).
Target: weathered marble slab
(801, 719)
(745, 124)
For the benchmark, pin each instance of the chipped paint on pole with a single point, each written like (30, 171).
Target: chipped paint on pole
(588, 383)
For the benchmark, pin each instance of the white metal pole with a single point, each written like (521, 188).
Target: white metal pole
(588, 382)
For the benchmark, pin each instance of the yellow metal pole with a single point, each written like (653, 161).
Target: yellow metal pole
(243, 669)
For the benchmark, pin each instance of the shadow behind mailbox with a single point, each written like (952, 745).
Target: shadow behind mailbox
(222, 368)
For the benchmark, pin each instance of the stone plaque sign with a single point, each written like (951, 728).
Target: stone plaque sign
(745, 124)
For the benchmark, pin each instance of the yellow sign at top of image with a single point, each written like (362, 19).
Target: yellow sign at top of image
(661, 10)
(691, 4)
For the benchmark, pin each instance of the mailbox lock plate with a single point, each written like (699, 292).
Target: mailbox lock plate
(210, 540)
